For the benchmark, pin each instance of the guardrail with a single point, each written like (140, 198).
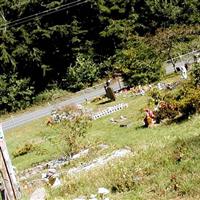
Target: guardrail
(188, 57)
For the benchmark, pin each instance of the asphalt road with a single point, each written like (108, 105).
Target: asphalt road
(80, 98)
(86, 94)
(181, 60)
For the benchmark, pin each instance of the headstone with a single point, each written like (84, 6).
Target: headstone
(110, 93)
(38, 194)
(103, 191)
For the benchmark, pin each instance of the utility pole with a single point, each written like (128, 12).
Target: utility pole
(10, 187)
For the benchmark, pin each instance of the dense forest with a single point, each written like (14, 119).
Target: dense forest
(70, 44)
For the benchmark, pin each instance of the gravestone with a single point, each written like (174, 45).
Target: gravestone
(110, 93)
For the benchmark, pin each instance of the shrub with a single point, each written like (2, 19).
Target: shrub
(188, 101)
(71, 132)
(25, 149)
(138, 62)
(183, 102)
(196, 74)
(50, 95)
(166, 111)
(69, 109)
(155, 95)
(15, 93)
(83, 73)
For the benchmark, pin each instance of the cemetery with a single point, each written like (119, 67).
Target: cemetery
(100, 100)
(107, 143)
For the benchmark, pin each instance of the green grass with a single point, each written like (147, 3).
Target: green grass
(36, 133)
(151, 173)
(165, 163)
(154, 162)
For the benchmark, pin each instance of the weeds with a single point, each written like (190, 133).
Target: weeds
(25, 149)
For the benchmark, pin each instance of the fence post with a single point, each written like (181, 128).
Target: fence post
(11, 189)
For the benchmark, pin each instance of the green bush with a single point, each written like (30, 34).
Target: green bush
(188, 101)
(166, 111)
(26, 148)
(138, 62)
(83, 73)
(155, 95)
(15, 93)
(71, 133)
(196, 74)
(49, 95)
(183, 102)
(166, 108)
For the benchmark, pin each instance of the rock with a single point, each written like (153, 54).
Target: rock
(125, 125)
(81, 153)
(103, 160)
(103, 191)
(38, 194)
(103, 146)
(52, 178)
(123, 117)
(93, 196)
(51, 164)
(57, 183)
(51, 171)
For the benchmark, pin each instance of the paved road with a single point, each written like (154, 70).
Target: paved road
(181, 60)
(27, 117)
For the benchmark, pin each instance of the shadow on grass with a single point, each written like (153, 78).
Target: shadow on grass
(180, 119)
(105, 102)
(192, 142)
(188, 149)
(140, 127)
(177, 120)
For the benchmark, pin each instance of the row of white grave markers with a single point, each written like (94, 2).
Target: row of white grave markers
(109, 110)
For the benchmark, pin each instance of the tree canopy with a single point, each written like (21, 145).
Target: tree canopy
(46, 42)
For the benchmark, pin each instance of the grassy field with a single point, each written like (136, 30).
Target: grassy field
(165, 163)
